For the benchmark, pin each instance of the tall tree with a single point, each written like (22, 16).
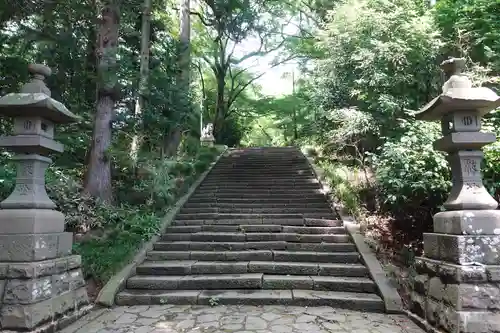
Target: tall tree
(227, 23)
(173, 139)
(143, 74)
(98, 177)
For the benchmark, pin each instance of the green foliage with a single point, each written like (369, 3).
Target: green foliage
(381, 57)
(103, 257)
(410, 173)
(343, 190)
(109, 236)
(473, 24)
(366, 65)
(375, 63)
(123, 229)
(491, 169)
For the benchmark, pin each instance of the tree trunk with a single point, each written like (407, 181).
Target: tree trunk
(220, 105)
(98, 178)
(184, 59)
(173, 138)
(171, 142)
(143, 76)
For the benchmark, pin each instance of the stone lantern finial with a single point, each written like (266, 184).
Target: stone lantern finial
(453, 66)
(37, 83)
(452, 69)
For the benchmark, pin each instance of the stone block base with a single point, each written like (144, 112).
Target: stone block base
(207, 143)
(468, 222)
(463, 249)
(457, 298)
(443, 317)
(35, 247)
(31, 221)
(38, 293)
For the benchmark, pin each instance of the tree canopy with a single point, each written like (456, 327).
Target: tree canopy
(146, 75)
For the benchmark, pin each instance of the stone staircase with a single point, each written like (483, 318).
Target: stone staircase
(258, 230)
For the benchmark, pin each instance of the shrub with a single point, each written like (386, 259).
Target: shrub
(410, 173)
(144, 200)
(413, 180)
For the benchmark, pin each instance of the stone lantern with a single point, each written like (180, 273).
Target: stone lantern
(40, 281)
(457, 288)
(207, 137)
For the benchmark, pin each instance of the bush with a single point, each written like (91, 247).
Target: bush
(342, 188)
(412, 180)
(491, 169)
(144, 200)
(410, 173)
(107, 237)
(128, 228)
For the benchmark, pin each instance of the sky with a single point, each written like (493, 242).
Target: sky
(272, 83)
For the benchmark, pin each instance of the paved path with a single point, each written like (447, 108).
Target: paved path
(239, 319)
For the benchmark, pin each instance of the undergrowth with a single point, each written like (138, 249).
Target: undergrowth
(341, 179)
(138, 218)
(107, 237)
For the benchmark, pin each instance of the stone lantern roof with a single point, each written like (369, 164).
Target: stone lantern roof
(34, 100)
(458, 95)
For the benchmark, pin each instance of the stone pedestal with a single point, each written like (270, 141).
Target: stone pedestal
(207, 142)
(458, 284)
(41, 283)
(207, 138)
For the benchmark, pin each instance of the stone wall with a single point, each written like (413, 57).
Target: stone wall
(457, 298)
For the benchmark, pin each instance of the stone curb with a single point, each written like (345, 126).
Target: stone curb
(92, 315)
(107, 294)
(388, 292)
(425, 326)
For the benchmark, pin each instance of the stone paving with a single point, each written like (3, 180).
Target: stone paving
(239, 319)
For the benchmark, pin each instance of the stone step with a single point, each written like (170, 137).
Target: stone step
(260, 187)
(256, 245)
(242, 221)
(254, 191)
(312, 222)
(336, 253)
(219, 236)
(262, 173)
(276, 177)
(258, 230)
(255, 205)
(270, 168)
(257, 200)
(255, 210)
(202, 274)
(261, 196)
(256, 180)
(230, 237)
(300, 297)
(326, 283)
(263, 178)
(193, 267)
(262, 217)
(250, 228)
(212, 223)
(188, 282)
(260, 178)
(252, 164)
